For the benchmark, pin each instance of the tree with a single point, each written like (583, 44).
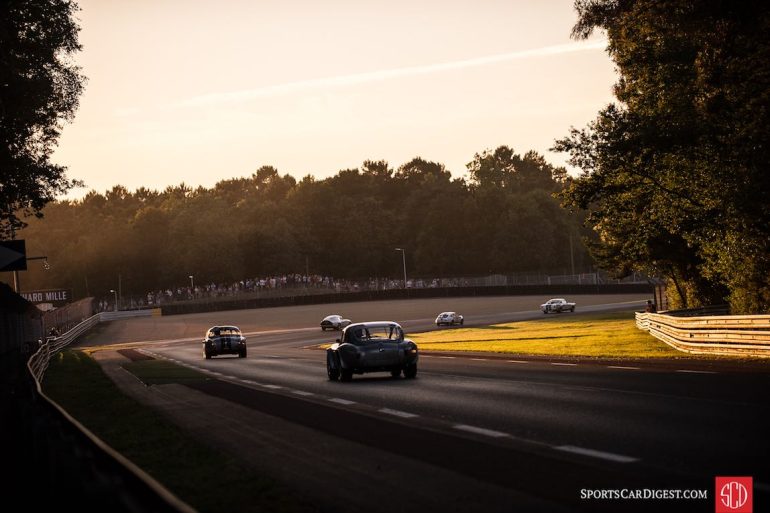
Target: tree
(504, 169)
(39, 90)
(675, 174)
(345, 226)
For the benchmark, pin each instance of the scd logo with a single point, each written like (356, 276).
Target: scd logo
(734, 495)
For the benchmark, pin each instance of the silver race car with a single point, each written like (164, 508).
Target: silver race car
(334, 322)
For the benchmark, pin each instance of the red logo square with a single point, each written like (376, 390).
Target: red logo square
(734, 494)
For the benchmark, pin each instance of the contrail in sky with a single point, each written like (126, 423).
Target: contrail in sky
(372, 76)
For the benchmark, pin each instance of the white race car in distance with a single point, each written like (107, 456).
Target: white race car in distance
(449, 319)
(557, 305)
(334, 322)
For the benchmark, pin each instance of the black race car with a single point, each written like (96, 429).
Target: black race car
(371, 347)
(224, 340)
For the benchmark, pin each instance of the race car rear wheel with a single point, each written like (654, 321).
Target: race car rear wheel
(332, 367)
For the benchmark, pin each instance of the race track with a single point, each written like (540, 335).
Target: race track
(472, 432)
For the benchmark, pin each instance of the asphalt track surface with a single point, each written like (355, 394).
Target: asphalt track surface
(473, 432)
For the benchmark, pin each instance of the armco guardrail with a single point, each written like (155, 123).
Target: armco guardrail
(113, 481)
(38, 363)
(127, 314)
(747, 335)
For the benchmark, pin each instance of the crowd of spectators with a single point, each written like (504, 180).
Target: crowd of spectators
(302, 284)
(287, 283)
(272, 285)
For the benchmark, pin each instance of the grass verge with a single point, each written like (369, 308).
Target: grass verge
(609, 335)
(204, 478)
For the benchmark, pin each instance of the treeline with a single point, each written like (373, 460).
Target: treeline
(503, 218)
(676, 173)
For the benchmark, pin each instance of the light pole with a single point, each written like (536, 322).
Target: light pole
(192, 286)
(403, 258)
(115, 293)
(17, 282)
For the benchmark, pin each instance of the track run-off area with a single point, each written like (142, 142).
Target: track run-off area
(473, 432)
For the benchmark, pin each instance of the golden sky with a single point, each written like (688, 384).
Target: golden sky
(198, 91)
